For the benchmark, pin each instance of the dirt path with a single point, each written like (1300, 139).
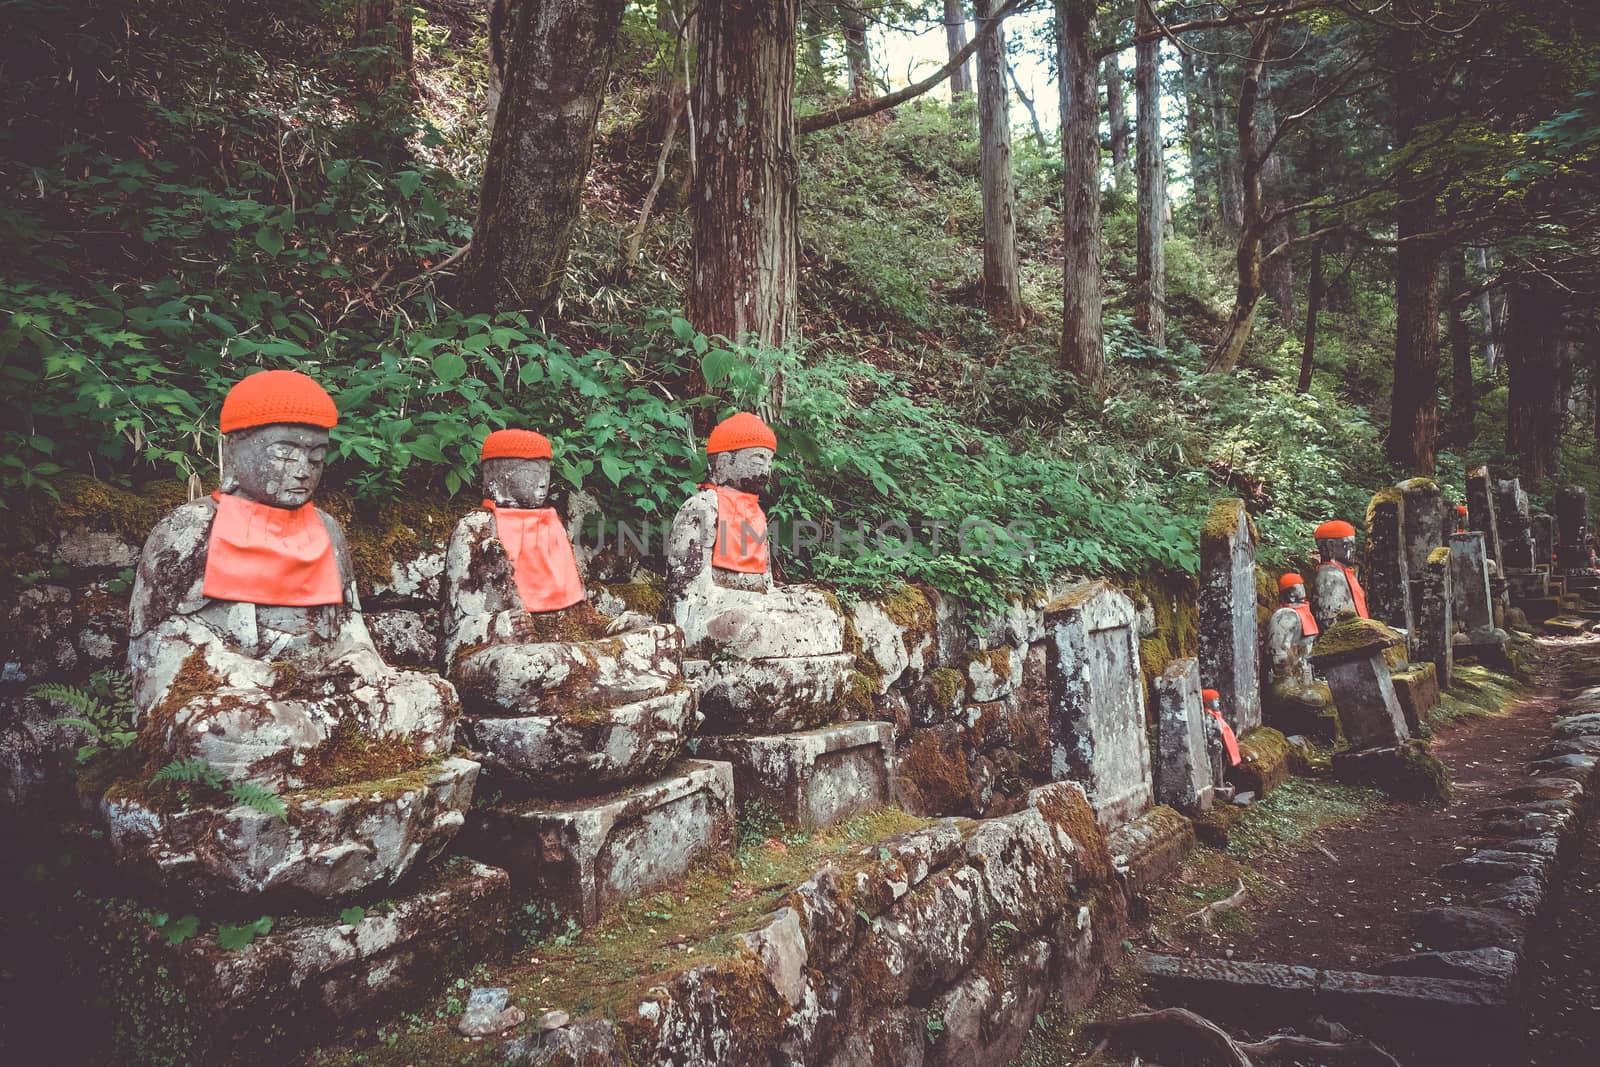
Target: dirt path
(1346, 903)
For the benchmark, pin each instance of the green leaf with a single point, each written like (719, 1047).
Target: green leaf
(176, 933)
(231, 937)
(352, 915)
(449, 366)
(269, 240)
(716, 364)
(613, 469)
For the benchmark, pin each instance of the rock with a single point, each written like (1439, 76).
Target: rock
(1524, 895)
(812, 779)
(1479, 964)
(1244, 800)
(765, 696)
(552, 1020)
(487, 1013)
(589, 1041)
(1450, 928)
(1148, 850)
(36, 635)
(883, 642)
(1183, 778)
(404, 637)
(95, 549)
(781, 948)
(1229, 654)
(415, 578)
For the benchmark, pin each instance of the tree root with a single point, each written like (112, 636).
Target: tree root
(1217, 907)
(1178, 1035)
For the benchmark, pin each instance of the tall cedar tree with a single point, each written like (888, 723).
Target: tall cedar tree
(1150, 298)
(1002, 287)
(1082, 348)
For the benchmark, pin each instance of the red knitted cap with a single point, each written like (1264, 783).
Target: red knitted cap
(516, 444)
(743, 430)
(1289, 581)
(1208, 695)
(1334, 529)
(1461, 509)
(269, 397)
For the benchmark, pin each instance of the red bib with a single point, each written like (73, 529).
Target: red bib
(1358, 594)
(259, 554)
(741, 532)
(1308, 622)
(541, 556)
(1229, 742)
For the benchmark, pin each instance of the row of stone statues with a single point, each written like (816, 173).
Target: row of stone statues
(249, 653)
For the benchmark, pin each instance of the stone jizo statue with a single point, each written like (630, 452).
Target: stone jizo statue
(1338, 589)
(248, 651)
(1221, 742)
(559, 697)
(776, 652)
(1290, 633)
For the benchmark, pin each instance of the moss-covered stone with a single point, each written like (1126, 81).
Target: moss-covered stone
(1389, 494)
(1406, 772)
(1265, 761)
(1351, 637)
(648, 597)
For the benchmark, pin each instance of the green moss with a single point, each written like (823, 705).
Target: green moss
(413, 780)
(350, 755)
(855, 703)
(403, 528)
(1389, 494)
(947, 684)
(1070, 812)
(1265, 761)
(647, 597)
(1220, 522)
(92, 503)
(1351, 635)
(1439, 556)
(910, 608)
(932, 770)
(1421, 776)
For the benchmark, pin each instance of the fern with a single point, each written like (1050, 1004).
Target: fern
(103, 711)
(197, 771)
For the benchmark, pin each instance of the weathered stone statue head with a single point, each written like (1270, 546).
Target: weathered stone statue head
(275, 438)
(516, 469)
(1461, 518)
(1336, 542)
(1292, 589)
(739, 453)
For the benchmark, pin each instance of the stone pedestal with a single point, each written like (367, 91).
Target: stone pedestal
(585, 855)
(1388, 575)
(197, 1002)
(1097, 734)
(1230, 654)
(1418, 692)
(1183, 778)
(1351, 656)
(1434, 640)
(1482, 514)
(1469, 577)
(1528, 584)
(1426, 521)
(768, 695)
(812, 779)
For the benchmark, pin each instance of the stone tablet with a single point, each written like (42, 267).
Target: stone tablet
(1097, 728)
(1183, 765)
(1388, 575)
(1482, 513)
(1229, 640)
(1425, 520)
(1572, 528)
(1435, 605)
(1544, 538)
(1516, 527)
(1469, 577)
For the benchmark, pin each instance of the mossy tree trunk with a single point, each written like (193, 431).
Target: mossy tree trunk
(1230, 190)
(556, 57)
(1535, 408)
(746, 207)
(857, 56)
(955, 39)
(1277, 270)
(1001, 284)
(1150, 285)
(1082, 340)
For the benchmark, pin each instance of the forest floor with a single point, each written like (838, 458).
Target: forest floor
(1332, 874)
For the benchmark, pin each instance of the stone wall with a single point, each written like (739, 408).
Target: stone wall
(938, 946)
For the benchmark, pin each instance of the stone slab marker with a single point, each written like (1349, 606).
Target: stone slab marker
(1482, 514)
(1097, 732)
(1388, 577)
(1572, 528)
(1544, 538)
(1435, 607)
(1469, 578)
(1183, 764)
(815, 778)
(1425, 519)
(1351, 656)
(1230, 653)
(1516, 528)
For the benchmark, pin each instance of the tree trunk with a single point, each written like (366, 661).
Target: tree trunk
(557, 55)
(667, 89)
(858, 59)
(1001, 286)
(1082, 341)
(385, 24)
(1117, 114)
(746, 206)
(1247, 257)
(1150, 297)
(955, 37)
(1414, 400)
(1277, 270)
(1535, 407)
(1230, 188)
(1027, 105)
(1193, 124)
(1462, 406)
(812, 74)
(1308, 352)
(1491, 313)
